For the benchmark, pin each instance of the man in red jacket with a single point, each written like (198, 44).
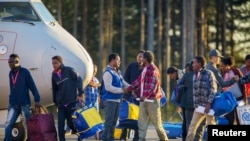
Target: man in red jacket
(148, 86)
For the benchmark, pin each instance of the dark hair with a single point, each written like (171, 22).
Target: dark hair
(59, 58)
(228, 61)
(14, 56)
(189, 66)
(201, 60)
(172, 70)
(141, 51)
(247, 57)
(112, 56)
(149, 56)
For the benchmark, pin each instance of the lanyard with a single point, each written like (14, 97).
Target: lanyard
(14, 78)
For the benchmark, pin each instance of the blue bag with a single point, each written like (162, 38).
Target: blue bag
(128, 115)
(224, 103)
(163, 99)
(87, 122)
(173, 129)
(177, 92)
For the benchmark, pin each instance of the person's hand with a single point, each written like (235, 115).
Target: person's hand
(37, 106)
(125, 90)
(236, 78)
(142, 99)
(134, 95)
(207, 108)
(178, 109)
(81, 100)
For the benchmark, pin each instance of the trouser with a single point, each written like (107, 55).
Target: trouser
(111, 117)
(13, 113)
(187, 117)
(65, 113)
(196, 120)
(150, 111)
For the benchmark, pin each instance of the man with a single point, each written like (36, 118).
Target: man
(245, 69)
(203, 95)
(133, 70)
(148, 86)
(21, 82)
(215, 58)
(186, 92)
(114, 87)
(174, 73)
(67, 90)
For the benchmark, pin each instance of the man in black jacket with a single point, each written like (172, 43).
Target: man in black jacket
(67, 90)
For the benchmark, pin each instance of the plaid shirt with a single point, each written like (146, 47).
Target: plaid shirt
(204, 87)
(151, 83)
(91, 94)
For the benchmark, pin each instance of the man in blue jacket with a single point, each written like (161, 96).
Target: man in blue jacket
(67, 90)
(21, 82)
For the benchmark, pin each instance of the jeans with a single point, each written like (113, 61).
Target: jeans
(111, 117)
(65, 113)
(13, 113)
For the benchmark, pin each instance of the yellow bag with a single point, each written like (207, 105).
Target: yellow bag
(118, 133)
(129, 111)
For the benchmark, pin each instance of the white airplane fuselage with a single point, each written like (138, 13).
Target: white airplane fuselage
(36, 42)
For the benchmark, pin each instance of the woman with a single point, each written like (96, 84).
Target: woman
(228, 72)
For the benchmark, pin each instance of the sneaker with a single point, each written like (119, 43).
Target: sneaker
(68, 132)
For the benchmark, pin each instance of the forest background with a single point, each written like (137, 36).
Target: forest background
(175, 30)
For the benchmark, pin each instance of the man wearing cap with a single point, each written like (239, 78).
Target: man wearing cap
(215, 58)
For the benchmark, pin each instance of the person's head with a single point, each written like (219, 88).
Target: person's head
(188, 67)
(172, 72)
(226, 63)
(57, 62)
(198, 63)
(247, 61)
(13, 61)
(139, 57)
(95, 69)
(114, 60)
(148, 57)
(215, 56)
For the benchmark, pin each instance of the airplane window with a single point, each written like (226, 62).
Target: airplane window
(43, 12)
(17, 11)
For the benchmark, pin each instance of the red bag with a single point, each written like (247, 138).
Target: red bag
(41, 126)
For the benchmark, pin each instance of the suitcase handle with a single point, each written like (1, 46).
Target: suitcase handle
(180, 115)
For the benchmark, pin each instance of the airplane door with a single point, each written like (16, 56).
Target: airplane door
(7, 44)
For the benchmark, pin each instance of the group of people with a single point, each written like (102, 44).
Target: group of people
(67, 91)
(199, 83)
(141, 81)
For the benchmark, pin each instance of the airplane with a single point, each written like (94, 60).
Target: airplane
(28, 29)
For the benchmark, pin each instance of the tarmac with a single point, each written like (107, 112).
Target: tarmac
(151, 136)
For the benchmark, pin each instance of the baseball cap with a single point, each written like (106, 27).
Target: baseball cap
(215, 52)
